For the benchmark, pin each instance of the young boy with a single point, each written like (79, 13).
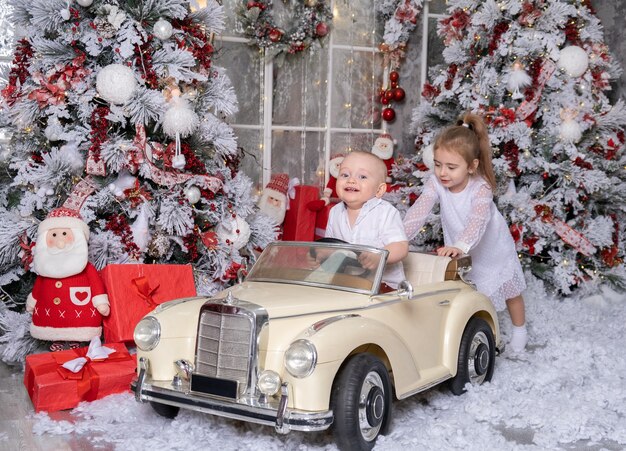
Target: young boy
(364, 218)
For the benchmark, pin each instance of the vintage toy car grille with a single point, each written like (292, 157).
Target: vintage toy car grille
(224, 347)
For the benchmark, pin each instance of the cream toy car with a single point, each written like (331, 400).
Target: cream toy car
(306, 348)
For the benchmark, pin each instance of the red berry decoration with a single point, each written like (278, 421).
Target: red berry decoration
(389, 114)
(394, 76)
(398, 94)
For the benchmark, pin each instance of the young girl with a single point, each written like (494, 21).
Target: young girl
(463, 185)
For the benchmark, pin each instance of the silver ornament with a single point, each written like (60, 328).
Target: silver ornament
(84, 3)
(162, 29)
(192, 194)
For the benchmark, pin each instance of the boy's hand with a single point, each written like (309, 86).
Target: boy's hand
(369, 260)
(449, 251)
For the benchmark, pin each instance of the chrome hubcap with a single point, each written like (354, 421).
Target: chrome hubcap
(371, 406)
(478, 358)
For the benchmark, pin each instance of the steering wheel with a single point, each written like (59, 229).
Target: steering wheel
(347, 261)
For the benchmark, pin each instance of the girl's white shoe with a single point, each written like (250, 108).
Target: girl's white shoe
(519, 338)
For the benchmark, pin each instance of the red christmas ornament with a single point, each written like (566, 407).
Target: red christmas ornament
(384, 100)
(209, 239)
(389, 114)
(275, 34)
(394, 84)
(394, 76)
(321, 29)
(398, 94)
(389, 94)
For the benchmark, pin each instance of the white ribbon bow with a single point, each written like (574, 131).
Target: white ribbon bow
(291, 189)
(95, 352)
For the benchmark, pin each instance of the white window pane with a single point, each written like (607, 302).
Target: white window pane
(300, 90)
(298, 154)
(354, 23)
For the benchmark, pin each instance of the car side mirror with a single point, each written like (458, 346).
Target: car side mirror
(405, 289)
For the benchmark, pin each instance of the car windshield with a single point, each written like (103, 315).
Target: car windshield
(327, 265)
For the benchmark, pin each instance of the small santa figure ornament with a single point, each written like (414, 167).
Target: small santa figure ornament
(273, 201)
(330, 192)
(68, 299)
(383, 149)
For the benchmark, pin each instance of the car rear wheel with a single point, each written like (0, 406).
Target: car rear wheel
(361, 403)
(477, 355)
(165, 410)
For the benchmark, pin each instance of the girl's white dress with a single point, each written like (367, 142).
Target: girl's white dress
(472, 223)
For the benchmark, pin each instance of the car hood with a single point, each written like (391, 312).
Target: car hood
(283, 300)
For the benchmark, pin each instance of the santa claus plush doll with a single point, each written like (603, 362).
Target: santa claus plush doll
(273, 201)
(68, 299)
(330, 192)
(383, 149)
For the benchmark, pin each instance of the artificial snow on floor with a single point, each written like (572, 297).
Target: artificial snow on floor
(567, 391)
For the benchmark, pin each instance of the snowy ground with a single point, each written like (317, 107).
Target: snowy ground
(568, 391)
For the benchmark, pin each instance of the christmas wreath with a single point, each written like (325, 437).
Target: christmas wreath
(310, 22)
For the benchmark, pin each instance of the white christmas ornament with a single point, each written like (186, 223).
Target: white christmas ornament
(428, 157)
(162, 29)
(573, 60)
(141, 228)
(123, 182)
(192, 193)
(116, 83)
(54, 130)
(518, 79)
(179, 118)
(84, 3)
(235, 232)
(570, 130)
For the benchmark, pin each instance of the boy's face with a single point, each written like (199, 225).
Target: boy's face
(361, 178)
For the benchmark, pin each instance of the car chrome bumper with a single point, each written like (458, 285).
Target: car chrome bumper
(279, 416)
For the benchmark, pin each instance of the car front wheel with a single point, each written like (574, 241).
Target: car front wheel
(165, 410)
(361, 403)
(477, 355)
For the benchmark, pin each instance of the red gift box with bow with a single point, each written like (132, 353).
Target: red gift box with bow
(299, 224)
(136, 289)
(52, 387)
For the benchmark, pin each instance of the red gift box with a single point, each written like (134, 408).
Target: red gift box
(299, 224)
(136, 289)
(51, 387)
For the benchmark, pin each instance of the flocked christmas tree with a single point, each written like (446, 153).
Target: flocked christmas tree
(538, 72)
(119, 104)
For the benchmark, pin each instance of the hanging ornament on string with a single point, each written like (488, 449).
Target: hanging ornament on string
(162, 29)
(569, 130)
(518, 79)
(573, 60)
(179, 121)
(390, 92)
(84, 3)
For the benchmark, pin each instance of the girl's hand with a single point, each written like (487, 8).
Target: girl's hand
(449, 251)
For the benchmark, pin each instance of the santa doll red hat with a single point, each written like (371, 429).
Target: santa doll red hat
(68, 298)
(273, 201)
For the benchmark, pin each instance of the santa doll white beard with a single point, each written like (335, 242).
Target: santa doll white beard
(276, 212)
(64, 262)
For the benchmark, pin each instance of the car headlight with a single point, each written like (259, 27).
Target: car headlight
(147, 333)
(269, 382)
(300, 358)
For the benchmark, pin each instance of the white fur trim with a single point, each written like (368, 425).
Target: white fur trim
(65, 333)
(64, 223)
(101, 299)
(30, 303)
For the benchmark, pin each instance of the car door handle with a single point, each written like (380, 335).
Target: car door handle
(444, 303)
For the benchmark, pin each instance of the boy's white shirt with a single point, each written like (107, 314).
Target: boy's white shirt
(378, 224)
